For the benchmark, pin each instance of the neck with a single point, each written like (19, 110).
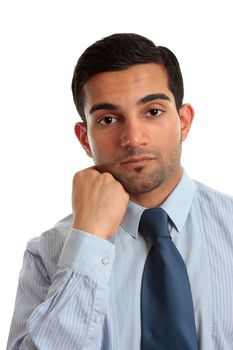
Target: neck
(158, 195)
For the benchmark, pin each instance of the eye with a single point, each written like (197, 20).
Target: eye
(155, 112)
(107, 120)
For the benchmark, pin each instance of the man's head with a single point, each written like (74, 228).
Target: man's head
(133, 118)
(118, 52)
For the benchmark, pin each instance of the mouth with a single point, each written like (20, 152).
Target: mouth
(136, 160)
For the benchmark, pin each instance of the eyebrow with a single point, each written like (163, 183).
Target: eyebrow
(143, 100)
(153, 97)
(109, 106)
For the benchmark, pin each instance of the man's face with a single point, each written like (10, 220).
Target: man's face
(134, 130)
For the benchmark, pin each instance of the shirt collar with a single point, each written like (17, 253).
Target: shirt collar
(178, 203)
(177, 206)
(131, 219)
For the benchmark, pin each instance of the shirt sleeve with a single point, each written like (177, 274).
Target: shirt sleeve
(68, 311)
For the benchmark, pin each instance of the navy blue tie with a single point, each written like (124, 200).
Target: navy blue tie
(166, 301)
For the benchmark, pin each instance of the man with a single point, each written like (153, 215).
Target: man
(81, 282)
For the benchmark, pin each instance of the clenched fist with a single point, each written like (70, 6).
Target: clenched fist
(99, 202)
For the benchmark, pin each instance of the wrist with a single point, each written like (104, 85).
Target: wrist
(91, 229)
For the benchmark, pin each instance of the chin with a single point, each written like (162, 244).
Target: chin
(135, 185)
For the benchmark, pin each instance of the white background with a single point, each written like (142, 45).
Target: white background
(40, 44)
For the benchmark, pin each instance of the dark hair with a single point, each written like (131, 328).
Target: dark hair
(118, 52)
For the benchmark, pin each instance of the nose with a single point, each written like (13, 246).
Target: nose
(133, 135)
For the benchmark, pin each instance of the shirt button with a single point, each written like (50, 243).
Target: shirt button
(105, 260)
(99, 319)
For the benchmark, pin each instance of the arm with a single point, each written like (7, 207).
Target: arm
(68, 311)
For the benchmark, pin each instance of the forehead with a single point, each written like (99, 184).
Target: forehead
(130, 84)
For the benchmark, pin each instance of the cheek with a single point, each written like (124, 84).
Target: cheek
(175, 133)
(169, 135)
(100, 145)
(175, 129)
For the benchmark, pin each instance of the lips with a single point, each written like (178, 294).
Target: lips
(136, 160)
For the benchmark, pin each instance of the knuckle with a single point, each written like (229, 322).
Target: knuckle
(85, 173)
(76, 177)
(107, 177)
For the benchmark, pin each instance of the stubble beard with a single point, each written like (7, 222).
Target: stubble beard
(136, 182)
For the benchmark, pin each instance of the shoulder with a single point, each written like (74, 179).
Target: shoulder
(48, 246)
(214, 205)
(212, 195)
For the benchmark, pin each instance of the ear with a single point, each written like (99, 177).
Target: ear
(81, 133)
(186, 113)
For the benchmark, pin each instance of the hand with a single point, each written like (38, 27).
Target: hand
(99, 202)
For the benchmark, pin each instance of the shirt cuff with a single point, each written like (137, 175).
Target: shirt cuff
(87, 254)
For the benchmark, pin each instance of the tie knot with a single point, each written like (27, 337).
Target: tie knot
(154, 222)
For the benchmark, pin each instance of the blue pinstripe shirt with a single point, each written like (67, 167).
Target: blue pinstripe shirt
(77, 291)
